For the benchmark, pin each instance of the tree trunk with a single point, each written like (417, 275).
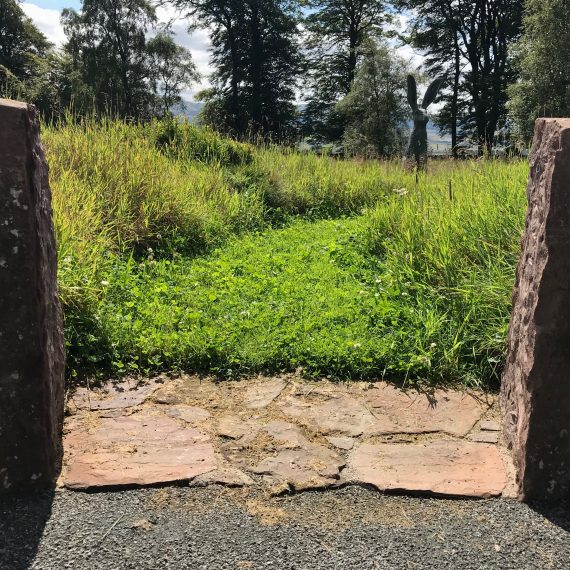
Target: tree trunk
(455, 96)
(234, 79)
(352, 55)
(256, 62)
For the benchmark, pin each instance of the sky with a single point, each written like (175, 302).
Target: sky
(46, 15)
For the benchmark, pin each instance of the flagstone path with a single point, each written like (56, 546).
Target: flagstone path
(285, 434)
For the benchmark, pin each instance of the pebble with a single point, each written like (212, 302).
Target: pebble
(349, 528)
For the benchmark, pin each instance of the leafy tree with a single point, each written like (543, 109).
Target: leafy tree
(469, 41)
(376, 108)
(487, 30)
(171, 70)
(256, 56)
(221, 18)
(543, 60)
(336, 31)
(22, 50)
(112, 66)
(107, 45)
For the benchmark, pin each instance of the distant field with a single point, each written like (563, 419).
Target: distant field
(181, 250)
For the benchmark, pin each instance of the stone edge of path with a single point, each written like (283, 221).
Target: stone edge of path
(290, 462)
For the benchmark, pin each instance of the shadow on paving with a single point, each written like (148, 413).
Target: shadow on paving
(23, 518)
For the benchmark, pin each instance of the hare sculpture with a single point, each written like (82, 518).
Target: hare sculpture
(418, 147)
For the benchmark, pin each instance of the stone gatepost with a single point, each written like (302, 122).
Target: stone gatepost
(535, 392)
(31, 337)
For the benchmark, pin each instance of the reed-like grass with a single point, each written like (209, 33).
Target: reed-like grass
(120, 188)
(449, 246)
(436, 253)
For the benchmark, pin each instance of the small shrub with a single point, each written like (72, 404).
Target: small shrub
(183, 141)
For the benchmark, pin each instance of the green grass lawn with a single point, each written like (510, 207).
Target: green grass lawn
(179, 250)
(302, 296)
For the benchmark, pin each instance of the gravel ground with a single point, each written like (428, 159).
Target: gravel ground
(217, 528)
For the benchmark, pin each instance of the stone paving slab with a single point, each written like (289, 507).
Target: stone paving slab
(114, 396)
(490, 425)
(283, 434)
(225, 475)
(485, 437)
(387, 410)
(447, 411)
(314, 467)
(261, 395)
(190, 414)
(445, 467)
(136, 450)
(281, 453)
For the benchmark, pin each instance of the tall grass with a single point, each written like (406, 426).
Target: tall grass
(318, 186)
(129, 195)
(450, 245)
(119, 188)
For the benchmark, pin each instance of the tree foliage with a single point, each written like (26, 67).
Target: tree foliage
(543, 61)
(25, 54)
(113, 65)
(171, 70)
(114, 61)
(336, 31)
(257, 63)
(107, 45)
(469, 41)
(375, 110)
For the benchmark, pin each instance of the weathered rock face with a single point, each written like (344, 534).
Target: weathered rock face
(536, 384)
(31, 337)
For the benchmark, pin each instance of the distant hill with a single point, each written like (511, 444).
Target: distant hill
(190, 109)
(436, 141)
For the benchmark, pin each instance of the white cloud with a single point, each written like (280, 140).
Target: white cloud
(198, 42)
(47, 21)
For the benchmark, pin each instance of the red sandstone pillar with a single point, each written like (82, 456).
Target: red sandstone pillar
(535, 393)
(31, 337)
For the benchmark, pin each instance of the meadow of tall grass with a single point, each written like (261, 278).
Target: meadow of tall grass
(180, 249)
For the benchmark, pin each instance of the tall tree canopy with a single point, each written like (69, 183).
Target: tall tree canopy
(376, 109)
(107, 44)
(256, 59)
(113, 66)
(469, 41)
(543, 60)
(22, 47)
(171, 70)
(336, 31)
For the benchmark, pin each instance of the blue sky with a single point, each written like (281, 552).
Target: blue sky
(57, 4)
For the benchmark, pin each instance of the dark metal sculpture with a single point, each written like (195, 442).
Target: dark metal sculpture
(418, 147)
